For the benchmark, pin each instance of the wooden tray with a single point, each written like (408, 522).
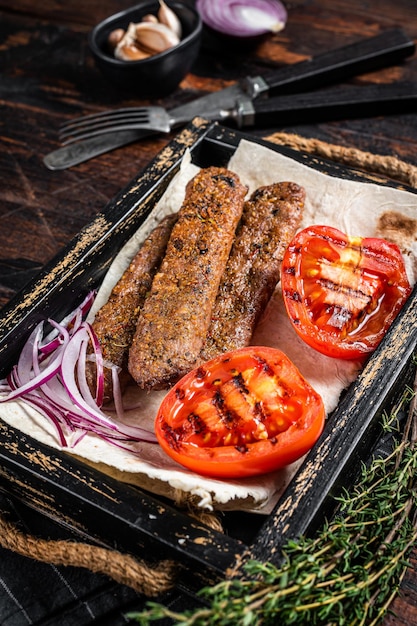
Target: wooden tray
(125, 518)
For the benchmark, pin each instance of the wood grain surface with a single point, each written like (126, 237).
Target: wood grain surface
(47, 76)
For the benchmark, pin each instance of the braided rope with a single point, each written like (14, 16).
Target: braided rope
(388, 166)
(122, 568)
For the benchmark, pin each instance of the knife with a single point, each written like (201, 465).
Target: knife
(367, 55)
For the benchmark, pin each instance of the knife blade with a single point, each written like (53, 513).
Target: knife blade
(384, 49)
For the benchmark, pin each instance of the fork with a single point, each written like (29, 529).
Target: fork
(129, 118)
(328, 104)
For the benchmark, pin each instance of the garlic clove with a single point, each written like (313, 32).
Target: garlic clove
(130, 52)
(127, 49)
(150, 18)
(130, 35)
(155, 38)
(115, 37)
(169, 18)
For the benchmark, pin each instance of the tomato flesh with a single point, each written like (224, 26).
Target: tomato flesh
(244, 413)
(342, 293)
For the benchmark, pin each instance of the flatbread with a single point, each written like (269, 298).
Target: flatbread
(357, 208)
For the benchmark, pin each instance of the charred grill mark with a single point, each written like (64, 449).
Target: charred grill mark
(240, 384)
(180, 393)
(293, 295)
(192, 425)
(225, 403)
(197, 424)
(289, 270)
(201, 373)
(265, 365)
(173, 437)
(234, 415)
(345, 290)
(227, 416)
(259, 411)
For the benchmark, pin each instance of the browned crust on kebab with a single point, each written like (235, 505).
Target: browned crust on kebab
(175, 317)
(270, 220)
(115, 322)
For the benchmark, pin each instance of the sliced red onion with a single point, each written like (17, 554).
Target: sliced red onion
(26, 377)
(82, 309)
(49, 346)
(44, 407)
(243, 18)
(50, 375)
(117, 393)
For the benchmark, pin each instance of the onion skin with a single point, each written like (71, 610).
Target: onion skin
(243, 18)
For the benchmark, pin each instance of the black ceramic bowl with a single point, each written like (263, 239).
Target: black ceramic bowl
(157, 75)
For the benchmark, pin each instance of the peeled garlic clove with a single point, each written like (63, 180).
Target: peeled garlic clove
(129, 52)
(126, 49)
(169, 18)
(150, 18)
(115, 37)
(130, 35)
(155, 38)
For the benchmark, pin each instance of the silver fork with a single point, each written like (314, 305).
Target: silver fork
(128, 118)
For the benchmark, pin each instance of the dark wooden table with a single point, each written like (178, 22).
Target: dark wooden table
(47, 76)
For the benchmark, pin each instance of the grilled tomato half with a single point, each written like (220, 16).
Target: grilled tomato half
(244, 413)
(342, 293)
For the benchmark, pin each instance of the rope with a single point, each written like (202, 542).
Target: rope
(122, 568)
(150, 580)
(388, 166)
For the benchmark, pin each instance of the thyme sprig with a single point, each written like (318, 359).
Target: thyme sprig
(348, 573)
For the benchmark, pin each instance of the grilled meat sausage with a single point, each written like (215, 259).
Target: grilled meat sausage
(175, 317)
(269, 221)
(115, 322)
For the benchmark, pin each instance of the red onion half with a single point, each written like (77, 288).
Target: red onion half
(50, 376)
(243, 18)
